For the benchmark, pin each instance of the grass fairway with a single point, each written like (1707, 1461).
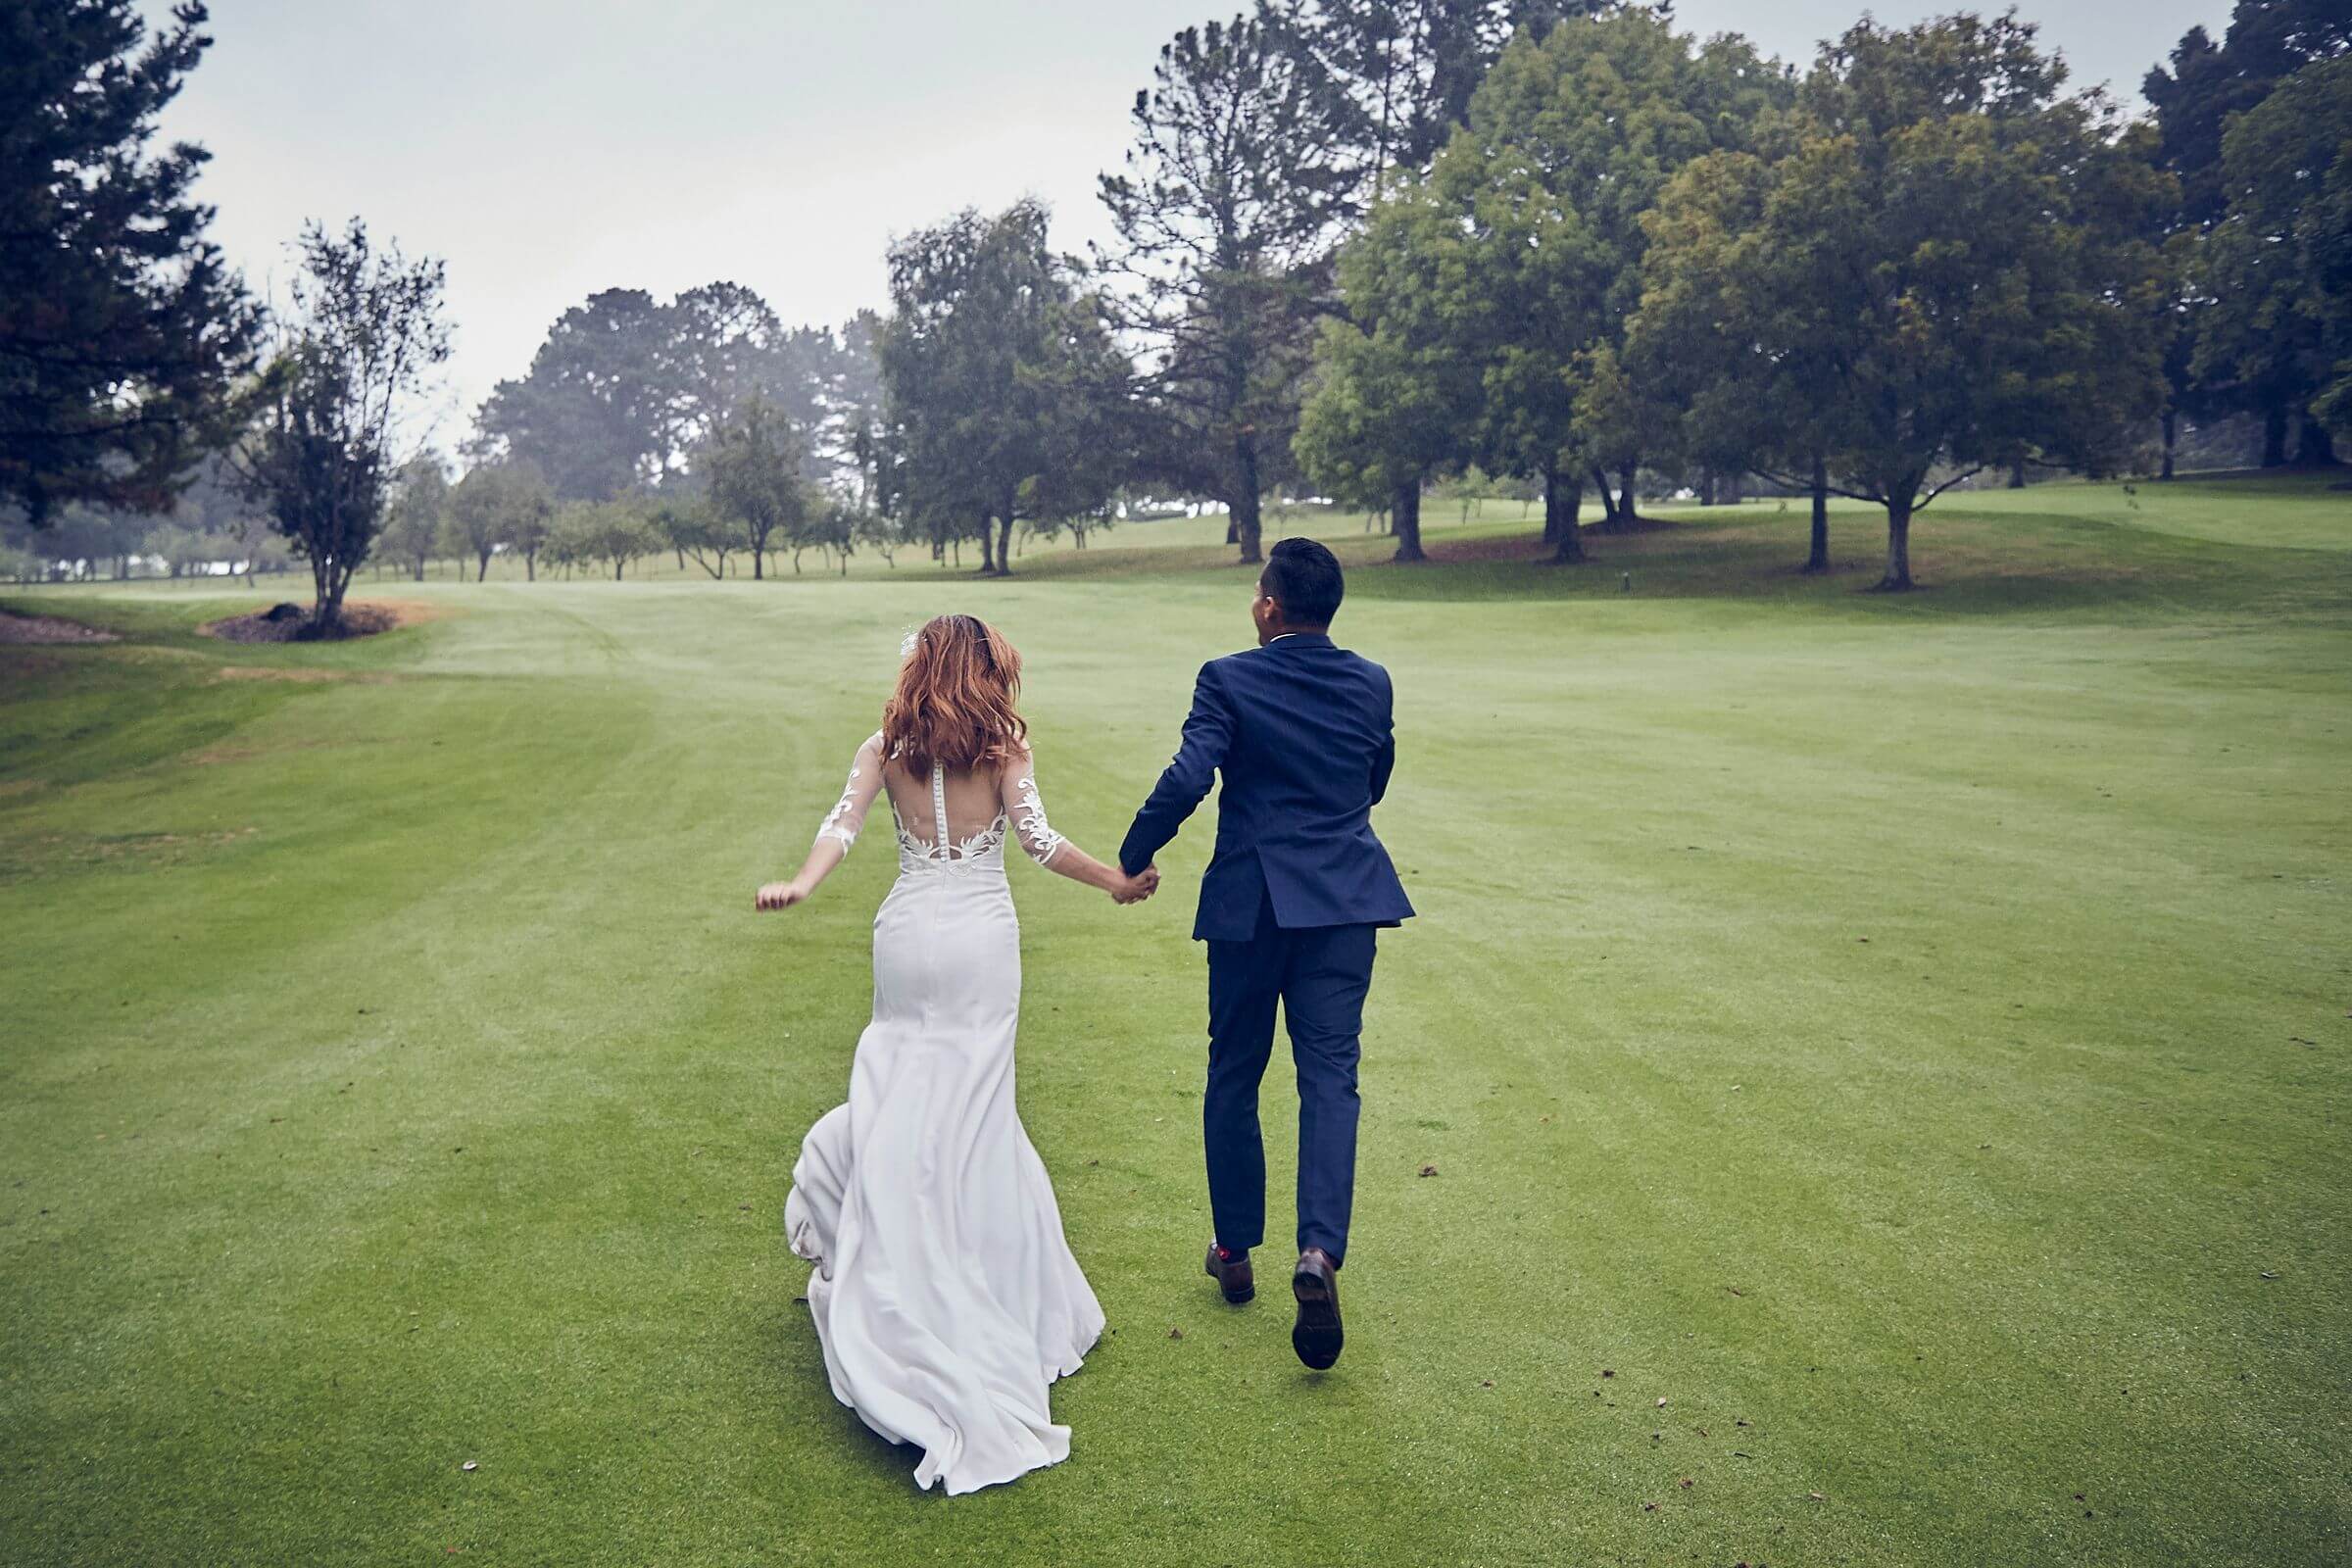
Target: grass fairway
(1885, 1059)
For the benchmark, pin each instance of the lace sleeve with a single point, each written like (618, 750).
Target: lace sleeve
(1027, 813)
(847, 815)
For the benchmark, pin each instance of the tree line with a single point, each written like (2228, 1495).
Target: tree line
(1356, 248)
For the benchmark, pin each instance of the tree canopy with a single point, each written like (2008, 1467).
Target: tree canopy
(122, 332)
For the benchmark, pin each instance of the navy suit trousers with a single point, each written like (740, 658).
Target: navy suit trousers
(1320, 975)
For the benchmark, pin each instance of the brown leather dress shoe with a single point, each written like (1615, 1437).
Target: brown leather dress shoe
(1231, 1271)
(1316, 1335)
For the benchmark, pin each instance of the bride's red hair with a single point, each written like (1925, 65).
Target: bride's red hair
(955, 703)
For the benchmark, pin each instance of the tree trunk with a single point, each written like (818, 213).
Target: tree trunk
(530, 566)
(2172, 439)
(1563, 499)
(1404, 512)
(1732, 492)
(1248, 523)
(1817, 558)
(2274, 436)
(1608, 501)
(758, 558)
(482, 573)
(616, 568)
(1898, 548)
(2312, 448)
(1625, 514)
(1005, 546)
(2017, 474)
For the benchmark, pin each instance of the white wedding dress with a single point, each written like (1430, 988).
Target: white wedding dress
(943, 1294)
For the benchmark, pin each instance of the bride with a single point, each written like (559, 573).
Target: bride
(943, 1294)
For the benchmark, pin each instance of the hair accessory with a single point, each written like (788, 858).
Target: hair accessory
(906, 644)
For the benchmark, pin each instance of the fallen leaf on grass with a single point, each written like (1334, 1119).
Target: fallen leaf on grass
(1816, 1496)
(1175, 1334)
(1429, 1170)
(468, 1465)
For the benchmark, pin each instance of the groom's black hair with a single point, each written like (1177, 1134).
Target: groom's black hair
(1303, 578)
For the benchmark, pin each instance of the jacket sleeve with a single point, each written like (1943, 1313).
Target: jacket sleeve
(1207, 735)
(1384, 760)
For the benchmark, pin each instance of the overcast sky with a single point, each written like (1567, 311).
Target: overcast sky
(547, 149)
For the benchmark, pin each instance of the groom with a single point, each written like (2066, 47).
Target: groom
(1303, 732)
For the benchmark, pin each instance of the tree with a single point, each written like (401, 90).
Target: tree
(2277, 264)
(690, 525)
(1601, 115)
(1738, 327)
(123, 333)
(753, 470)
(419, 501)
(1487, 295)
(1233, 192)
(215, 507)
(615, 532)
(723, 345)
(1003, 384)
(1395, 403)
(364, 333)
(1967, 253)
(2208, 85)
(886, 535)
(499, 505)
(596, 412)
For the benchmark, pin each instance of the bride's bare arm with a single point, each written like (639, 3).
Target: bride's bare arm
(1049, 849)
(835, 834)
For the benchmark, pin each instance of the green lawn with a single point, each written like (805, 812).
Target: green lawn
(1907, 1035)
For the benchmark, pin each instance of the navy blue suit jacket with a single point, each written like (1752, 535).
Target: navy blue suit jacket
(1304, 733)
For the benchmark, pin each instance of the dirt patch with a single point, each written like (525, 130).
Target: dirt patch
(293, 623)
(409, 611)
(54, 854)
(240, 751)
(16, 629)
(302, 675)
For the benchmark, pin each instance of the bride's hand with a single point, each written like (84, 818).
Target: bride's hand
(779, 896)
(1137, 888)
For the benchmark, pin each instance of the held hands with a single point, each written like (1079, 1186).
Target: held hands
(1133, 889)
(779, 896)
